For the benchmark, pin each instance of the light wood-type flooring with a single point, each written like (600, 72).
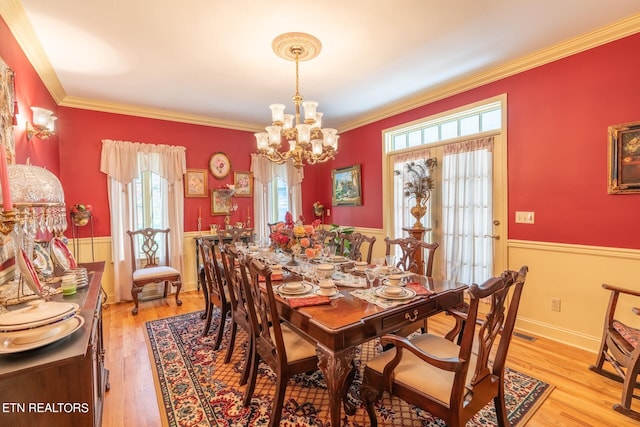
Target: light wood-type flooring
(580, 398)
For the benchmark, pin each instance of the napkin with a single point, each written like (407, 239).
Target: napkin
(309, 301)
(274, 277)
(419, 289)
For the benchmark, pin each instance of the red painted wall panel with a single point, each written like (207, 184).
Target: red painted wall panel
(81, 146)
(30, 91)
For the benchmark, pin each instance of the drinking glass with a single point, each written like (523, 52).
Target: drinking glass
(379, 262)
(391, 261)
(371, 276)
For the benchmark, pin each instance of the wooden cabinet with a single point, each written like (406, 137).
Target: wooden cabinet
(62, 384)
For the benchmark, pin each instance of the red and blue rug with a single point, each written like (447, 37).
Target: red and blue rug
(195, 387)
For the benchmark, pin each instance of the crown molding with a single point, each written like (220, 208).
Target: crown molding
(155, 113)
(615, 31)
(16, 18)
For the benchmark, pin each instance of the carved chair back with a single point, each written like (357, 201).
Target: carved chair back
(408, 248)
(351, 246)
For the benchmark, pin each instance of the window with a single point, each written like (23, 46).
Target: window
(148, 201)
(279, 199)
(468, 122)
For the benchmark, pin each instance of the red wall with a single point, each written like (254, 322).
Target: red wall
(558, 116)
(82, 132)
(30, 91)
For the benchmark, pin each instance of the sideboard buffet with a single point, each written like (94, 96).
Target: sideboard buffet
(61, 384)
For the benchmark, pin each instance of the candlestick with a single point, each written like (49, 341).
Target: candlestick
(4, 181)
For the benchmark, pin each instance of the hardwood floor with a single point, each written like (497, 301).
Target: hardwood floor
(580, 398)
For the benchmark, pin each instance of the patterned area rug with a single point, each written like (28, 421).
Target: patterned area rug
(195, 387)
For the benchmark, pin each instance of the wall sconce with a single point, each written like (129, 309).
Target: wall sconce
(42, 126)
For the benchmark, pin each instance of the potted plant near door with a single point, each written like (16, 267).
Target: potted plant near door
(418, 184)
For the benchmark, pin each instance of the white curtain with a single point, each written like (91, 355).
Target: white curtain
(401, 204)
(264, 171)
(467, 210)
(123, 161)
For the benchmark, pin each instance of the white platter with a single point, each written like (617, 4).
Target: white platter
(36, 314)
(405, 294)
(28, 272)
(282, 289)
(15, 342)
(42, 260)
(61, 254)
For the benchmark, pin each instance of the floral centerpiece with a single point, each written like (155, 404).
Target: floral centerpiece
(418, 183)
(295, 237)
(80, 214)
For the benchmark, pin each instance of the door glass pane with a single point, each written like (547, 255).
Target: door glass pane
(449, 130)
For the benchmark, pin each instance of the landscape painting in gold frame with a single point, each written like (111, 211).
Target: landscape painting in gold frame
(624, 158)
(346, 186)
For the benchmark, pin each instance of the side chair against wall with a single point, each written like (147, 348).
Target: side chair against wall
(620, 348)
(409, 247)
(216, 288)
(239, 307)
(147, 267)
(351, 246)
(452, 382)
(283, 349)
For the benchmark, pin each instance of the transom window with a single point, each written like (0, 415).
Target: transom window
(472, 121)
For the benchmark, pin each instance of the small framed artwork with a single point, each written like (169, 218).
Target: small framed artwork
(219, 165)
(243, 184)
(195, 183)
(220, 201)
(624, 158)
(346, 186)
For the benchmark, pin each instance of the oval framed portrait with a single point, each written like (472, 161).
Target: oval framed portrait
(219, 165)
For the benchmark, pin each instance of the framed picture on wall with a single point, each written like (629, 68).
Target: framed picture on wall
(624, 158)
(219, 165)
(220, 201)
(346, 186)
(195, 183)
(243, 184)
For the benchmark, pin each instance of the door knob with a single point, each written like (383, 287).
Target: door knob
(493, 236)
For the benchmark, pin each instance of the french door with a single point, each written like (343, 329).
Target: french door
(466, 207)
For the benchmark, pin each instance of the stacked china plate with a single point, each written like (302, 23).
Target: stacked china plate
(38, 324)
(81, 276)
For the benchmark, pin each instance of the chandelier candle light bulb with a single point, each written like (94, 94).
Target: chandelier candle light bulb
(308, 143)
(7, 205)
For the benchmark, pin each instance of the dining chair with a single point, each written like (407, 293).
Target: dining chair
(284, 350)
(619, 347)
(409, 247)
(450, 381)
(239, 307)
(325, 237)
(351, 246)
(217, 294)
(150, 264)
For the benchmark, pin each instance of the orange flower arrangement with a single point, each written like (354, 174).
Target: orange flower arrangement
(295, 237)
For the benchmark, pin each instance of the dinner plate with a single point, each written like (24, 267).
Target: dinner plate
(334, 292)
(37, 313)
(15, 342)
(42, 260)
(405, 294)
(61, 254)
(282, 289)
(28, 272)
(338, 258)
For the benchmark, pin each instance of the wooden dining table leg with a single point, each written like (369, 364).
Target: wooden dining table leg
(335, 367)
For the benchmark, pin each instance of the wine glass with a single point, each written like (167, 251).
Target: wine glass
(379, 262)
(391, 262)
(371, 276)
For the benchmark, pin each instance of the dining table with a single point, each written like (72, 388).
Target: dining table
(355, 315)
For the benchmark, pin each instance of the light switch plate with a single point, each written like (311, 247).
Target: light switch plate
(525, 217)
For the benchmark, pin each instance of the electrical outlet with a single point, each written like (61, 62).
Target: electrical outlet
(555, 304)
(525, 217)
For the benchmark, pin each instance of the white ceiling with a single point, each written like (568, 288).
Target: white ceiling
(213, 59)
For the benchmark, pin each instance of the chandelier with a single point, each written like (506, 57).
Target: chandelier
(307, 141)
